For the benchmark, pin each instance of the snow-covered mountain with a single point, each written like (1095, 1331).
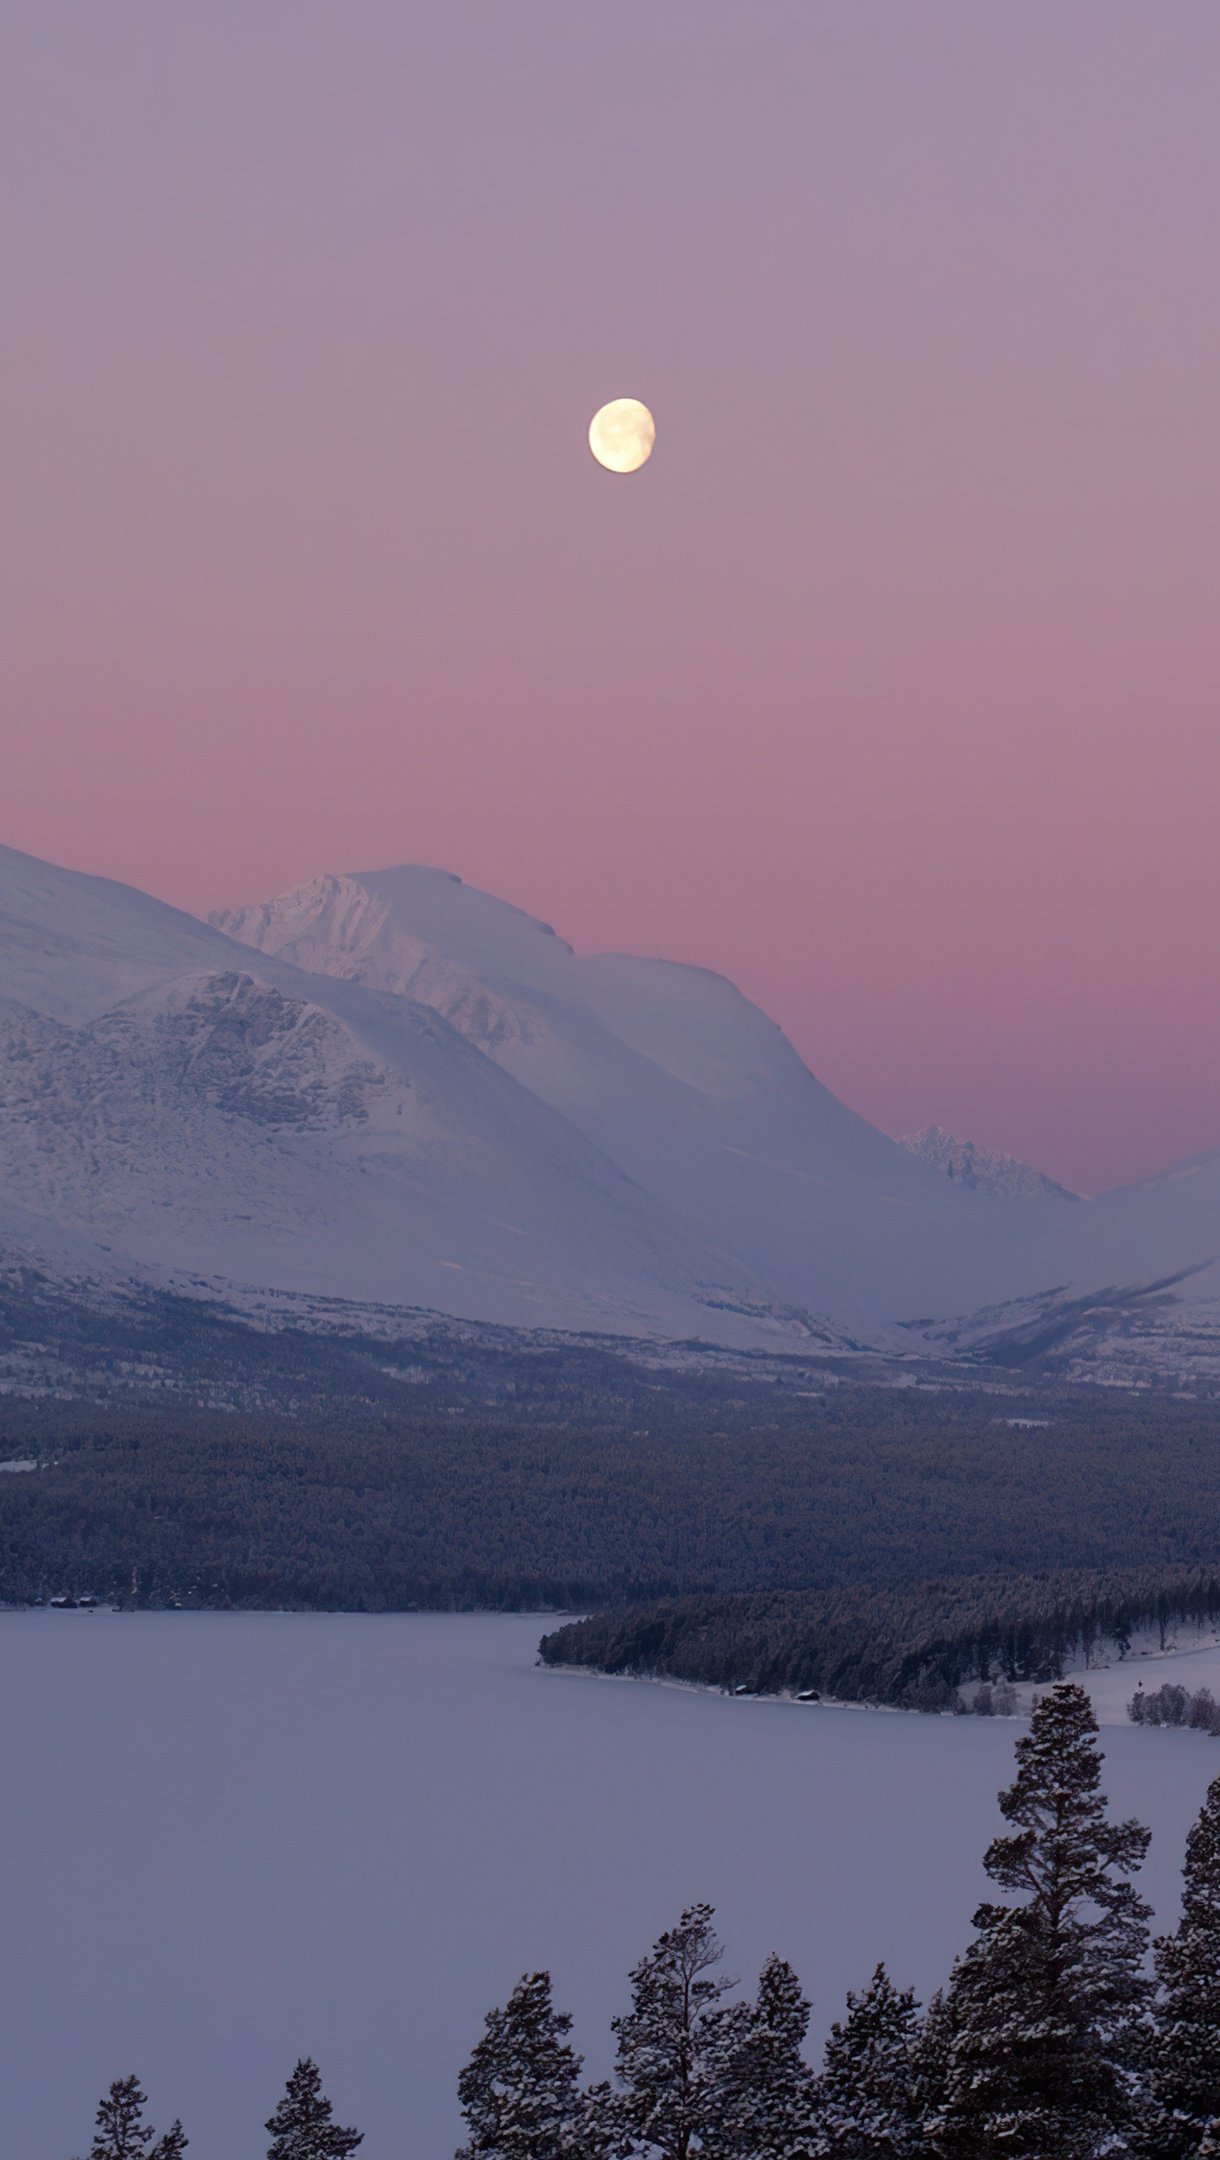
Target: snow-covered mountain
(189, 1107)
(679, 1080)
(393, 1088)
(983, 1169)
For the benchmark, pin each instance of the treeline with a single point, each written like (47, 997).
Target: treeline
(911, 1646)
(1174, 1705)
(302, 2128)
(1052, 2039)
(621, 1486)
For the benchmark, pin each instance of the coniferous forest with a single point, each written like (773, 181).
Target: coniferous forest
(912, 1646)
(1062, 2033)
(564, 1482)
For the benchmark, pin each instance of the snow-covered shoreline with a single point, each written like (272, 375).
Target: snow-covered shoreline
(1109, 1686)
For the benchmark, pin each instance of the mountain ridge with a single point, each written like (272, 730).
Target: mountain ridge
(448, 1108)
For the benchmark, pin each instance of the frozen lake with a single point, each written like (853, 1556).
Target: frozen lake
(231, 1839)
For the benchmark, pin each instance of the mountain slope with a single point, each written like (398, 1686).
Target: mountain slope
(71, 946)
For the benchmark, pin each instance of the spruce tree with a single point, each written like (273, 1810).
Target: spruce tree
(1046, 2005)
(301, 2127)
(1185, 2052)
(672, 2046)
(121, 2132)
(760, 2100)
(519, 2092)
(867, 2095)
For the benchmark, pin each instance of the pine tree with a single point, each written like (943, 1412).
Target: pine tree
(599, 2132)
(301, 2127)
(1046, 2004)
(1185, 2052)
(761, 2097)
(867, 2095)
(930, 2058)
(519, 2091)
(121, 2132)
(671, 2045)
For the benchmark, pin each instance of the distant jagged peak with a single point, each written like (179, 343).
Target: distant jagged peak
(344, 927)
(330, 926)
(348, 916)
(982, 1169)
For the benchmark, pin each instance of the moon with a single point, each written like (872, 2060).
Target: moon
(621, 435)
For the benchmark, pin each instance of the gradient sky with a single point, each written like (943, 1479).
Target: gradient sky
(890, 687)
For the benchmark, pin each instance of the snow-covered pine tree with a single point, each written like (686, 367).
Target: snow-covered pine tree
(519, 2092)
(301, 2127)
(1046, 2004)
(599, 2132)
(867, 2097)
(1185, 2053)
(671, 2044)
(761, 2094)
(930, 2059)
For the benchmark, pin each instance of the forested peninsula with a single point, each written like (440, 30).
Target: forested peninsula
(913, 1647)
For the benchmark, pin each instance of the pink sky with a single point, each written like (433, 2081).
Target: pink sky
(890, 687)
